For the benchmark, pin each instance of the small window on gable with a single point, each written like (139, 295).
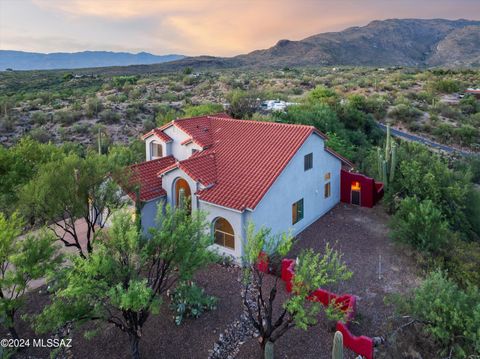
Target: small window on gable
(157, 150)
(194, 151)
(297, 211)
(308, 161)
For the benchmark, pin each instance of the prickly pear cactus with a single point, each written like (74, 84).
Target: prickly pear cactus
(337, 351)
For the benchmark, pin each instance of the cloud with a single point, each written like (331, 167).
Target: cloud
(193, 27)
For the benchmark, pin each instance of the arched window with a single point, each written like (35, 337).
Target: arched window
(223, 233)
(183, 195)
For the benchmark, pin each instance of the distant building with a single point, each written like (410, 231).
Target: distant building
(275, 105)
(473, 91)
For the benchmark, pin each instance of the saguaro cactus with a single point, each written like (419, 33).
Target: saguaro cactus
(388, 161)
(337, 351)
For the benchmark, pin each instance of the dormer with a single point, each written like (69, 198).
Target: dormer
(157, 145)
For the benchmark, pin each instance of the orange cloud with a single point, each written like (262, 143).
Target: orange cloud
(193, 27)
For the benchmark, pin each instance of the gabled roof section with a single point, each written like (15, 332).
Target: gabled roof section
(145, 176)
(201, 168)
(159, 133)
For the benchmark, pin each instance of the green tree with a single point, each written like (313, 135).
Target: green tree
(242, 104)
(420, 224)
(22, 260)
(324, 95)
(123, 280)
(71, 189)
(312, 271)
(203, 109)
(451, 315)
(340, 145)
(18, 165)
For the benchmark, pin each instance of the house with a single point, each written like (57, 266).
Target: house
(281, 176)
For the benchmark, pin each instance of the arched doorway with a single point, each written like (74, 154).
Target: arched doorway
(223, 233)
(355, 197)
(183, 195)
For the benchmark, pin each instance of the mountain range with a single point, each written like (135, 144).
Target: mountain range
(20, 60)
(393, 42)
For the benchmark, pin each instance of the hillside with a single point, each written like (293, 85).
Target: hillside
(394, 42)
(20, 60)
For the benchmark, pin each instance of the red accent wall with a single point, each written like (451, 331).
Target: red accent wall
(370, 191)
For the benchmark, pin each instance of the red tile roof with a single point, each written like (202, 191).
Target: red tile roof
(159, 133)
(201, 167)
(241, 158)
(145, 175)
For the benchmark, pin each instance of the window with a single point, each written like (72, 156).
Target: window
(308, 161)
(223, 233)
(157, 150)
(297, 211)
(194, 151)
(327, 190)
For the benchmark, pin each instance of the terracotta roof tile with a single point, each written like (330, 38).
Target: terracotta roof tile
(241, 158)
(159, 133)
(145, 175)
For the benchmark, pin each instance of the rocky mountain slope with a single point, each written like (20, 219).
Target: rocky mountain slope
(394, 42)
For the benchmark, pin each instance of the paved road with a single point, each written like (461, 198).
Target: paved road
(408, 136)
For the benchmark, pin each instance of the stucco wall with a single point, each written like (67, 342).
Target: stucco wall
(275, 208)
(179, 151)
(236, 219)
(148, 147)
(149, 213)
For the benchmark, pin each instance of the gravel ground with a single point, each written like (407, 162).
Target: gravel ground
(359, 233)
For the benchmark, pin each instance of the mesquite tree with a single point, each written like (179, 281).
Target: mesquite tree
(312, 271)
(122, 280)
(22, 260)
(72, 192)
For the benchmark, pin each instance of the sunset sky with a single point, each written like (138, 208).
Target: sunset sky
(213, 27)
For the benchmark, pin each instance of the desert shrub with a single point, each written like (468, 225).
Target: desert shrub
(204, 109)
(67, 118)
(189, 301)
(109, 116)
(120, 81)
(405, 113)
(469, 104)
(420, 224)
(39, 118)
(466, 134)
(40, 134)
(451, 315)
(445, 86)
(148, 124)
(242, 104)
(81, 128)
(93, 107)
(461, 262)
(7, 123)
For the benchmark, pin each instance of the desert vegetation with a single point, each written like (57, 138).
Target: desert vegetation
(64, 137)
